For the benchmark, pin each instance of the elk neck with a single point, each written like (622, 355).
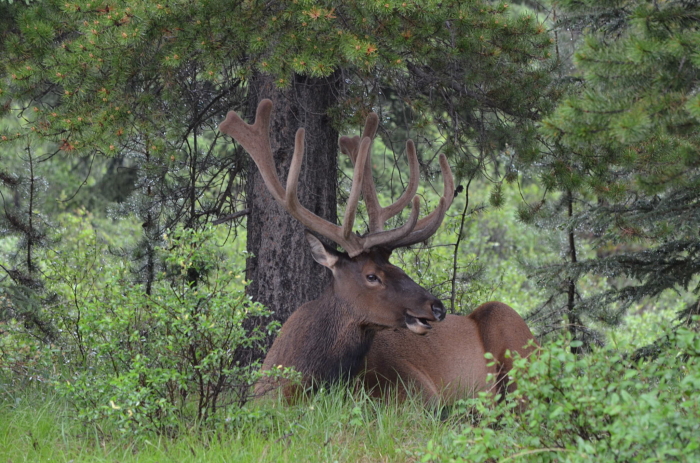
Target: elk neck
(337, 339)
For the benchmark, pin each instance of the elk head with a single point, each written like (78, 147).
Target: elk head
(382, 294)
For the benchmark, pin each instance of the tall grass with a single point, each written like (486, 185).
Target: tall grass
(332, 426)
(602, 406)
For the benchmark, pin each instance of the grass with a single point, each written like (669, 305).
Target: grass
(334, 426)
(596, 407)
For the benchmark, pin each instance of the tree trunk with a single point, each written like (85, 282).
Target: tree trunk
(280, 268)
(575, 323)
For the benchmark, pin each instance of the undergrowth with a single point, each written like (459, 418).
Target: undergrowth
(153, 376)
(602, 406)
(332, 426)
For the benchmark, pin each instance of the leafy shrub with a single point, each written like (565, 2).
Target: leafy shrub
(154, 361)
(597, 407)
(24, 360)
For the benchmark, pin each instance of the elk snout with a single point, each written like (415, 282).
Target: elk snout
(421, 325)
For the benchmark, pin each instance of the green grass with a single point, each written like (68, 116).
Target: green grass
(330, 427)
(597, 407)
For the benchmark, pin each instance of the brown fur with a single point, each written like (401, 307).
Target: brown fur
(448, 363)
(327, 339)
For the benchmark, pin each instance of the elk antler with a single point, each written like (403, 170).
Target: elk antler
(255, 139)
(378, 215)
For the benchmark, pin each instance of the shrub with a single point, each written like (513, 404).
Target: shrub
(155, 361)
(597, 407)
(24, 360)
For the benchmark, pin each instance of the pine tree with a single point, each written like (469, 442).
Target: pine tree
(625, 156)
(151, 80)
(21, 202)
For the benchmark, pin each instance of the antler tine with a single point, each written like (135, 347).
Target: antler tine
(388, 237)
(351, 146)
(427, 226)
(349, 241)
(379, 215)
(390, 211)
(357, 182)
(255, 139)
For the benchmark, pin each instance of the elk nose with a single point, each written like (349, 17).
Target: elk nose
(439, 310)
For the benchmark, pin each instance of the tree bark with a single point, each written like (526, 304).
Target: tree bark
(280, 268)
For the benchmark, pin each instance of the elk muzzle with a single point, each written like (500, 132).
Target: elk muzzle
(421, 325)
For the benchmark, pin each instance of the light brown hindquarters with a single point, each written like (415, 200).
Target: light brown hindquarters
(435, 368)
(502, 329)
(448, 363)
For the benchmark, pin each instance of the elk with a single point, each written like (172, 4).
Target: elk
(372, 315)
(448, 362)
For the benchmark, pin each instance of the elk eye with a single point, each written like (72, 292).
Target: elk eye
(372, 278)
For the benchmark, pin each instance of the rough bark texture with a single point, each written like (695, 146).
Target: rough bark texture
(282, 273)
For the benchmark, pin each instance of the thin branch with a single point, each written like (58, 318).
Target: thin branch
(228, 218)
(453, 292)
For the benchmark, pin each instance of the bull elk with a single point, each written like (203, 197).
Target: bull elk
(370, 317)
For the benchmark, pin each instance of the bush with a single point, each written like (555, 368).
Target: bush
(24, 360)
(597, 407)
(158, 361)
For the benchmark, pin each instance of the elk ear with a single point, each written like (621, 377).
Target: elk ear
(321, 254)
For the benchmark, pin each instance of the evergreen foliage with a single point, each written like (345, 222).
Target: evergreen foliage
(96, 78)
(22, 198)
(137, 89)
(623, 152)
(104, 85)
